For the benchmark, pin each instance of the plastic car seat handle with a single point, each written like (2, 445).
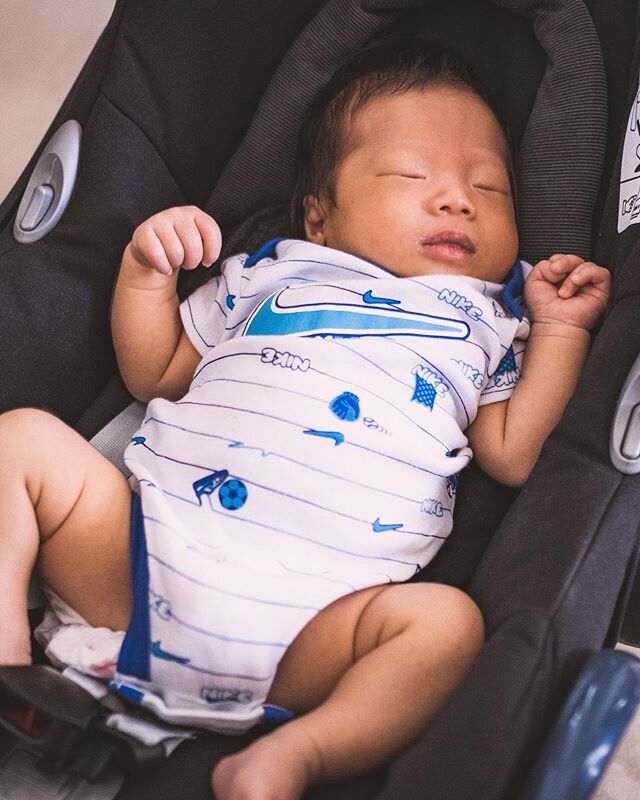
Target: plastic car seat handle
(49, 189)
(624, 442)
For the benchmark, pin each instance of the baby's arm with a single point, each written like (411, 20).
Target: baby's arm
(565, 297)
(155, 356)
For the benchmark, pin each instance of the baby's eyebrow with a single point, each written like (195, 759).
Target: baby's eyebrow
(489, 159)
(490, 156)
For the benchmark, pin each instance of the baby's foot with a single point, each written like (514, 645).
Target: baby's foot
(15, 647)
(267, 770)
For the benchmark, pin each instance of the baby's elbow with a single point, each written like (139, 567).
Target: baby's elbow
(138, 393)
(146, 392)
(138, 390)
(516, 478)
(512, 473)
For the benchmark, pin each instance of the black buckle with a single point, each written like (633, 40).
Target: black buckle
(66, 726)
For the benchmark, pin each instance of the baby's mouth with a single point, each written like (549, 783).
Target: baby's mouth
(450, 245)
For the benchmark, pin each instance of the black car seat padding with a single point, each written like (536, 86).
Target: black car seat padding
(163, 101)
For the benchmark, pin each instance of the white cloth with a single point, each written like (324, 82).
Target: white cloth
(69, 641)
(315, 453)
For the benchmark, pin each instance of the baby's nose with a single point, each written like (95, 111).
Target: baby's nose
(456, 203)
(452, 198)
(461, 207)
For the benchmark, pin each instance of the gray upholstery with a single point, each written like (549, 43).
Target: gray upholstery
(562, 154)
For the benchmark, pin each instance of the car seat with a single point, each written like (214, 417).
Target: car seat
(199, 103)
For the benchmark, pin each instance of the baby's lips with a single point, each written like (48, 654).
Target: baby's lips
(452, 238)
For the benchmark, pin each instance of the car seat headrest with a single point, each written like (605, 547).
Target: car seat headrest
(560, 156)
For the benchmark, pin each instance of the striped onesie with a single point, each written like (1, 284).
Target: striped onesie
(316, 453)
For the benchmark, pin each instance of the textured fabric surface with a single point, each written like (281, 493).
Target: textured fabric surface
(163, 103)
(563, 148)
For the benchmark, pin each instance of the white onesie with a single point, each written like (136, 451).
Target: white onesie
(315, 453)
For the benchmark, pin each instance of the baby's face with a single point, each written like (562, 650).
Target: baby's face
(423, 188)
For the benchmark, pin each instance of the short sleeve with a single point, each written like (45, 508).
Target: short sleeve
(206, 314)
(513, 331)
(502, 382)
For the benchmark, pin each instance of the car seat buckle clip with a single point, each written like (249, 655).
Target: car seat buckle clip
(67, 727)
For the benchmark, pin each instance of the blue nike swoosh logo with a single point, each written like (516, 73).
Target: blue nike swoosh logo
(238, 443)
(338, 438)
(378, 526)
(158, 652)
(369, 297)
(284, 314)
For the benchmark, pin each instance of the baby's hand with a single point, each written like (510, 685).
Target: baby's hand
(177, 238)
(568, 290)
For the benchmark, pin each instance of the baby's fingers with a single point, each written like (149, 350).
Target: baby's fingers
(199, 235)
(190, 243)
(149, 249)
(566, 260)
(584, 274)
(556, 268)
(211, 237)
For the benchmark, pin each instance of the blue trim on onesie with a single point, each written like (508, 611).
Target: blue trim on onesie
(513, 288)
(274, 716)
(134, 656)
(268, 250)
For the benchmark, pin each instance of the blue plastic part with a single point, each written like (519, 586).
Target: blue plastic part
(513, 288)
(590, 727)
(275, 716)
(129, 693)
(268, 250)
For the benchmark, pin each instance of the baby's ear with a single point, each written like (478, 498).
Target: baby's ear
(314, 220)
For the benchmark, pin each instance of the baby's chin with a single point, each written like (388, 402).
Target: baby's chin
(473, 269)
(413, 268)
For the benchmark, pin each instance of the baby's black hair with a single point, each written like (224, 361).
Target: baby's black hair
(390, 65)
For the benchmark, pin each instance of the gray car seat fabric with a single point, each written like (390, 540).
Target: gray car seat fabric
(562, 152)
(163, 102)
(560, 157)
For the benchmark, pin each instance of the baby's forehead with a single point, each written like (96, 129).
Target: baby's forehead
(444, 118)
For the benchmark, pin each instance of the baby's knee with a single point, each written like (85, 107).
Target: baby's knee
(447, 613)
(24, 429)
(25, 419)
(463, 617)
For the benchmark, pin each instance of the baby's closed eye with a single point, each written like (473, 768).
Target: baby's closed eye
(492, 187)
(403, 174)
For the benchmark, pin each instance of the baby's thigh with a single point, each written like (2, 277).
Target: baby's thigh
(429, 617)
(83, 514)
(320, 654)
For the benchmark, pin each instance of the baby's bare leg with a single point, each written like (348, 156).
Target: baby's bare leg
(370, 671)
(64, 507)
